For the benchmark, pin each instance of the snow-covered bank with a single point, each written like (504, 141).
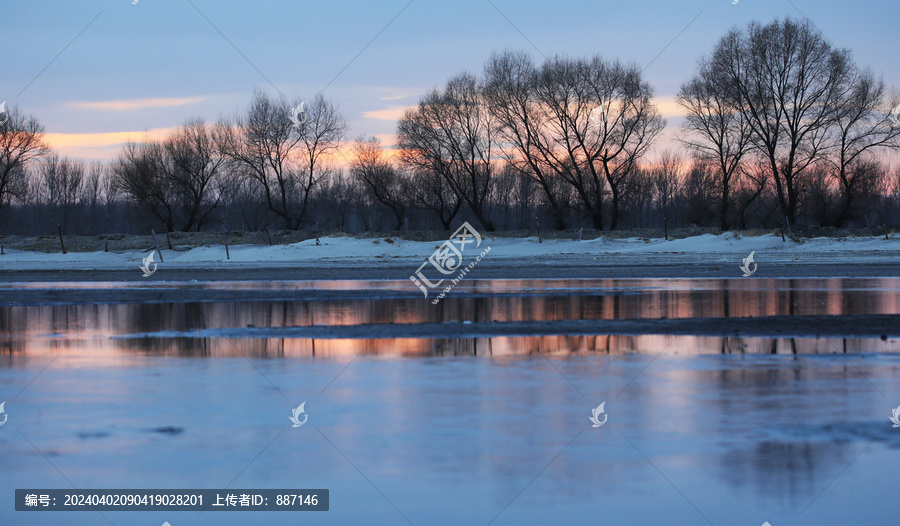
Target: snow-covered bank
(348, 251)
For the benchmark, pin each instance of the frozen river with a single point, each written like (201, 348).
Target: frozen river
(458, 428)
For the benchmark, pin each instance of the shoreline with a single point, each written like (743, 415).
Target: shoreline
(341, 258)
(561, 267)
(853, 326)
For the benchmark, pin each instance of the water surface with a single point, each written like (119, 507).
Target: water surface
(461, 430)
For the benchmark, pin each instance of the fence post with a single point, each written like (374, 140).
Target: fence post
(156, 242)
(885, 232)
(538, 221)
(168, 241)
(269, 237)
(666, 228)
(227, 253)
(61, 244)
(580, 233)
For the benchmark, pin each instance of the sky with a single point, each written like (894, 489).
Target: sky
(97, 73)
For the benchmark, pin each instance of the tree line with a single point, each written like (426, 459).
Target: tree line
(781, 128)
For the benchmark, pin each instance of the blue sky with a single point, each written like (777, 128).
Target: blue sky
(122, 69)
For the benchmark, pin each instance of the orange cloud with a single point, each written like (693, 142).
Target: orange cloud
(394, 113)
(99, 145)
(134, 104)
(668, 106)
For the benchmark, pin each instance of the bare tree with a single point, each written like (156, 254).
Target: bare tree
(90, 191)
(432, 192)
(21, 141)
(788, 82)
(193, 164)
(599, 123)
(511, 94)
(286, 157)
(862, 127)
(716, 129)
(342, 197)
(451, 133)
(751, 185)
(245, 197)
(381, 179)
(90, 197)
(666, 179)
(60, 182)
(698, 192)
(140, 174)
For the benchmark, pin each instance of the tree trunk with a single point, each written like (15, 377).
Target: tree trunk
(614, 221)
(723, 210)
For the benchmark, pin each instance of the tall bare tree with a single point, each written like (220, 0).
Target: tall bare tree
(451, 133)
(788, 81)
(140, 174)
(586, 122)
(716, 129)
(511, 94)
(193, 165)
(21, 141)
(286, 156)
(862, 127)
(598, 122)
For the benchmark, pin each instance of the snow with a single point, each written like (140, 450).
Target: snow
(351, 250)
